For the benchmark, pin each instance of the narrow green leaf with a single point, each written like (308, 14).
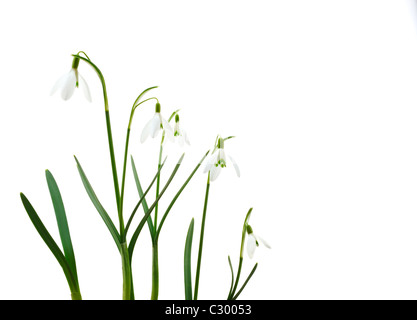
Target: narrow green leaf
(233, 279)
(242, 245)
(239, 269)
(246, 282)
(187, 262)
(141, 196)
(107, 220)
(62, 222)
(178, 194)
(50, 242)
(135, 235)
(200, 246)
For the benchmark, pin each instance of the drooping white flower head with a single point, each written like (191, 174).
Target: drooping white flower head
(179, 134)
(217, 161)
(156, 124)
(252, 242)
(71, 80)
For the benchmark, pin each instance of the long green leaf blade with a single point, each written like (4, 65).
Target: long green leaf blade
(141, 195)
(135, 235)
(142, 198)
(50, 242)
(246, 282)
(62, 222)
(178, 194)
(187, 262)
(107, 220)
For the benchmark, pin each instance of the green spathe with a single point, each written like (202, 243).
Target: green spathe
(249, 229)
(157, 107)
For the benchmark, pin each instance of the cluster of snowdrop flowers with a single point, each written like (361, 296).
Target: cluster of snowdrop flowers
(213, 165)
(159, 123)
(71, 80)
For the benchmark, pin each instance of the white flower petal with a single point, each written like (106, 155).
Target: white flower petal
(177, 128)
(83, 84)
(210, 162)
(180, 135)
(168, 130)
(235, 166)
(214, 172)
(187, 141)
(60, 83)
(222, 155)
(207, 167)
(156, 125)
(69, 86)
(148, 129)
(180, 139)
(145, 132)
(251, 245)
(263, 242)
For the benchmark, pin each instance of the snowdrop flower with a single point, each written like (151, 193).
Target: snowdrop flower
(253, 242)
(154, 125)
(68, 82)
(217, 161)
(179, 134)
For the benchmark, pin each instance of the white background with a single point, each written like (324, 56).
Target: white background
(321, 96)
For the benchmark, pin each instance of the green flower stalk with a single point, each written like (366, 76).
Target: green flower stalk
(232, 292)
(120, 237)
(247, 230)
(152, 129)
(213, 166)
(200, 247)
(136, 104)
